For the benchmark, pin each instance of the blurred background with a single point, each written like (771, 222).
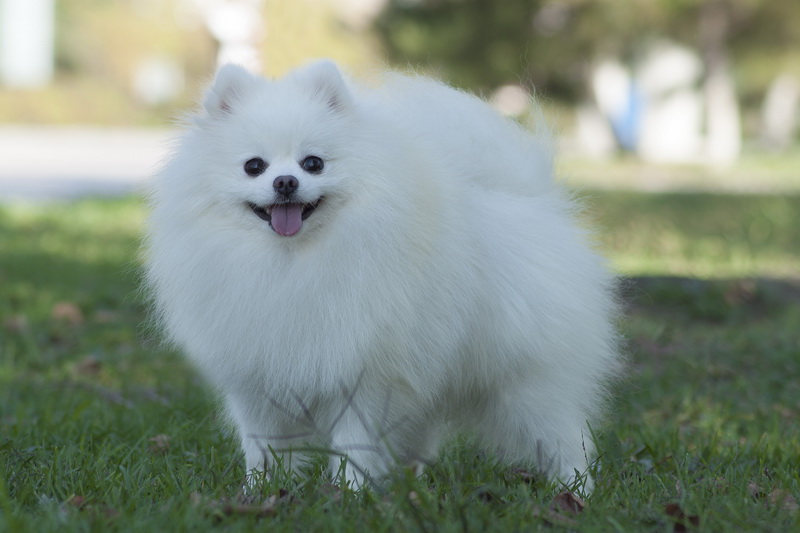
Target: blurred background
(656, 94)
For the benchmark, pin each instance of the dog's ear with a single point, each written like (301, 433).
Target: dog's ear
(326, 83)
(230, 85)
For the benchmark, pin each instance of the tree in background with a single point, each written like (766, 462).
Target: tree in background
(551, 45)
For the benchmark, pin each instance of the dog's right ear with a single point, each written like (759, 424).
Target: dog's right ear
(325, 81)
(230, 85)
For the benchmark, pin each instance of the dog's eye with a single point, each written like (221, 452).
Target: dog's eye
(255, 167)
(312, 164)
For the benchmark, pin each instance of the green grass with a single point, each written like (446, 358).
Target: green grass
(756, 170)
(700, 235)
(704, 430)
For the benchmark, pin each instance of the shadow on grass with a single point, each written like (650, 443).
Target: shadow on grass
(715, 300)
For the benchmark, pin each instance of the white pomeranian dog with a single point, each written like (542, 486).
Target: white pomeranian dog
(370, 268)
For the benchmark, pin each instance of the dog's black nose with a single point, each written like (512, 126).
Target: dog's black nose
(285, 185)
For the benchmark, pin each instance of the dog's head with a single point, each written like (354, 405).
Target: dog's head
(272, 154)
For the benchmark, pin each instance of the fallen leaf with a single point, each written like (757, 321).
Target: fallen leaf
(683, 522)
(89, 366)
(76, 501)
(783, 500)
(568, 503)
(16, 323)
(160, 444)
(564, 505)
(227, 507)
(754, 490)
(67, 312)
(780, 498)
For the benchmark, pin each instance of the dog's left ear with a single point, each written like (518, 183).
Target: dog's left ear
(325, 79)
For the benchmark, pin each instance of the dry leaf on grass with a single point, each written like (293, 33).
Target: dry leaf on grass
(568, 502)
(76, 501)
(67, 312)
(160, 444)
(683, 522)
(564, 505)
(81, 504)
(16, 323)
(784, 500)
(228, 507)
(780, 498)
(88, 366)
(755, 491)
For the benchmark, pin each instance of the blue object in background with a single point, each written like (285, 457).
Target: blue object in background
(627, 124)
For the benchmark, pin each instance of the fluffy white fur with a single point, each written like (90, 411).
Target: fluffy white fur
(441, 284)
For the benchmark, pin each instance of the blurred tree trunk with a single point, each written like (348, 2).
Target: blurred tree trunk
(779, 112)
(723, 128)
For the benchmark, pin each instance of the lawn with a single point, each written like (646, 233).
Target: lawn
(102, 429)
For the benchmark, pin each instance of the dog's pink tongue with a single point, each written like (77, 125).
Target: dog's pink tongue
(287, 219)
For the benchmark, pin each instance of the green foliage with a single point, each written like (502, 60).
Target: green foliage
(481, 45)
(101, 428)
(550, 45)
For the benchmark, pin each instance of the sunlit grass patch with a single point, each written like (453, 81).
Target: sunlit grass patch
(699, 234)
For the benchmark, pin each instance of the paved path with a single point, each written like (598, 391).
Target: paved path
(45, 163)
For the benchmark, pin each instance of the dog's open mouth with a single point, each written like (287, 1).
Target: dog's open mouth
(285, 219)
